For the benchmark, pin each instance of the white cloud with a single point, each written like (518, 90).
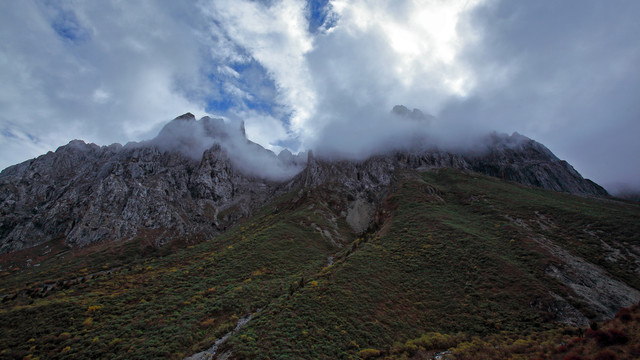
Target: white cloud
(377, 55)
(382, 54)
(134, 65)
(277, 37)
(264, 129)
(100, 71)
(101, 96)
(563, 73)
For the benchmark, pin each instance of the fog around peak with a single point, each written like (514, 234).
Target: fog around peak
(193, 137)
(371, 131)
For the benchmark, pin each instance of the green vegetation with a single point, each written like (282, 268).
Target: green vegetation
(450, 263)
(618, 338)
(167, 305)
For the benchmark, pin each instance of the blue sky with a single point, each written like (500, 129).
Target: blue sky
(324, 75)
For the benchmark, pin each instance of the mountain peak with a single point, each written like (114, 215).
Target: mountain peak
(212, 163)
(186, 117)
(415, 114)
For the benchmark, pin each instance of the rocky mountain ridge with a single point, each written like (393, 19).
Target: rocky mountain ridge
(163, 188)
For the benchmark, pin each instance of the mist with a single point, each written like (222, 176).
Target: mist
(192, 138)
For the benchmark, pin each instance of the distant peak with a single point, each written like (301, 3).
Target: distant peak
(186, 117)
(400, 110)
(416, 114)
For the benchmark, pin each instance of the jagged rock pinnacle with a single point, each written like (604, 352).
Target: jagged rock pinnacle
(187, 117)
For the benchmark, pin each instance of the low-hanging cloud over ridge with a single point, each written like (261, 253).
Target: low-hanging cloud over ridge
(325, 74)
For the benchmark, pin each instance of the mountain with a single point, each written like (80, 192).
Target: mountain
(198, 177)
(449, 255)
(183, 182)
(408, 254)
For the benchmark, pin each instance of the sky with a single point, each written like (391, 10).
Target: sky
(325, 74)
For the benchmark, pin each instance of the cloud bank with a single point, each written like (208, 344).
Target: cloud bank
(324, 75)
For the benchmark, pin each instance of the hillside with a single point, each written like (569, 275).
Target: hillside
(448, 251)
(197, 178)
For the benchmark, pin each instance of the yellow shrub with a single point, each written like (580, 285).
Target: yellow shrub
(259, 272)
(368, 353)
(433, 340)
(88, 322)
(208, 322)
(94, 308)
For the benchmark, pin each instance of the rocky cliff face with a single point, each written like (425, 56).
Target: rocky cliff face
(515, 158)
(199, 177)
(85, 193)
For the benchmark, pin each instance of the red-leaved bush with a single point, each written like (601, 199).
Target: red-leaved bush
(572, 357)
(608, 338)
(606, 355)
(624, 315)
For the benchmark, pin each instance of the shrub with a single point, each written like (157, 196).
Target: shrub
(606, 355)
(207, 322)
(520, 346)
(618, 337)
(368, 353)
(608, 338)
(601, 337)
(572, 357)
(94, 308)
(88, 322)
(434, 340)
(624, 315)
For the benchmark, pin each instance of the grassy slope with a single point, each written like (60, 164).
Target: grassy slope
(168, 306)
(445, 259)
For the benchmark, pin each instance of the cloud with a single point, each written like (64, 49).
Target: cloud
(100, 71)
(276, 35)
(562, 73)
(193, 137)
(365, 58)
(325, 74)
(380, 55)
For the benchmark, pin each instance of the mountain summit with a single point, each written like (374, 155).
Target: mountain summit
(199, 244)
(198, 177)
